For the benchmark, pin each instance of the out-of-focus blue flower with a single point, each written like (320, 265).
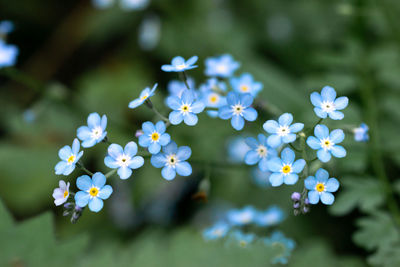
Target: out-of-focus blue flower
(129, 5)
(176, 88)
(326, 143)
(93, 191)
(260, 152)
(123, 159)
(278, 240)
(217, 231)
(102, 4)
(29, 115)
(246, 84)
(172, 160)
(150, 32)
(8, 54)
(61, 193)
(239, 109)
(6, 27)
(95, 132)
(154, 136)
(260, 178)
(212, 95)
(241, 239)
(223, 66)
(238, 217)
(326, 103)
(282, 131)
(361, 133)
(178, 64)
(321, 187)
(144, 95)
(237, 149)
(69, 157)
(184, 108)
(285, 169)
(272, 216)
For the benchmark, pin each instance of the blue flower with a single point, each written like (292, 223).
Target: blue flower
(154, 136)
(129, 5)
(185, 108)
(326, 143)
(242, 239)
(246, 84)
(238, 108)
(123, 159)
(102, 4)
(223, 66)
(178, 64)
(95, 132)
(278, 240)
(172, 160)
(282, 131)
(61, 193)
(8, 54)
(321, 187)
(218, 230)
(144, 95)
(326, 105)
(260, 178)
(6, 27)
(260, 152)
(361, 133)
(237, 149)
(69, 157)
(285, 169)
(93, 191)
(212, 95)
(176, 88)
(269, 217)
(238, 217)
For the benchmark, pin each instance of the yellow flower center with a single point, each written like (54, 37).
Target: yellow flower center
(66, 193)
(155, 136)
(185, 108)
(71, 159)
(213, 98)
(171, 160)
(182, 66)
(286, 169)
(144, 97)
(320, 187)
(326, 143)
(242, 243)
(93, 191)
(244, 88)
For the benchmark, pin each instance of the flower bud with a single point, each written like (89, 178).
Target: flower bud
(138, 133)
(296, 196)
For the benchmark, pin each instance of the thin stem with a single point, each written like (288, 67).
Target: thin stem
(318, 122)
(80, 165)
(155, 110)
(105, 140)
(110, 173)
(184, 78)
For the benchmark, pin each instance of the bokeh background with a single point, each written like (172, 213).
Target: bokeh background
(76, 59)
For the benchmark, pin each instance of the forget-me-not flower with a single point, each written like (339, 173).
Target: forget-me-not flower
(260, 152)
(176, 88)
(154, 136)
(260, 178)
(212, 95)
(239, 109)
(246, 84)
(69, 157)
(272, 216)
(178, 64)
(218, 230)
(238, 217)
(129, 5)
(223, 66)
(172, 160)
(242, 239)
(102, 4)
(6, 27)
(326, 103)
(144, 95)
(8, 54)
(237, 149)
(361, 133)
(184, 108)
(61, 193)
(285, 169)
(282, 131)
(123, 159)
(326, 143)
(286, 245)
(93, 191)
(321, 187)
(95, 132)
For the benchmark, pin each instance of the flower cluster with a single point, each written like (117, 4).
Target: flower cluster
(8, 53)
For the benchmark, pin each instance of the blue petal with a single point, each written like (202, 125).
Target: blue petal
(60, 167)
(310, 182)
(184, 152)
(287, 155)
(275, 164)
(296, 127)
(341, 103)
(175, 117)
(124, 172)
(168, 173)
(232, 98)
(103, 122)
(183, 168)
(136, 162)
(148, 127)
(178, 60)
(316, 99)
(111, 162)
(336, 115)
(154, 148)
(191, 60)
(251, 142)
(187, 97)
(225, 112)
(274, 140)
(84, 133)
(89, 143)
(68, 169)
(327, 198)
(285, 119)
(251, 157)
(190, 119)
(313, 142)
(276, 179)
(160, 127)
(262, 139)
(174, 102)
(250, 114)
(158, 160)
(167, 68)
(197, 107)
(135, 103)
(237, 122)
(105, 192)
(95, 204)
(338, 151)
(164, 139)
(81, 198)
(332, 185)
(246, 100)
(65, 152)
(336, 136)
(289, 138)
(323, 155)
(271, 126)
(290, 178)
(144, 140)
(298, 165)
(313, 197)
(320, 113)
(115, 150)
(84, 182)
(98, 179)
(322, 175)
(171, 148)
(321, 131)
(263, 165)
(328, 93)
(93, 120)
(130, 149)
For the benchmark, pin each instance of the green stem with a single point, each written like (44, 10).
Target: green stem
(184, 78)
(110, 173)
(80, 165)
(155, 110)
(318, 122)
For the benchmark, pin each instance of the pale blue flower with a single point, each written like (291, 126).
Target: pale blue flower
(154, 136)
(361, 133)
(260, 178)
(217, 231)
(102, 4)
(184, 108)
(223, 66)
(176, 88)
(285, 245)
(69, 157)
(8, 54)
(272, 216)
(326, 143)
(61, 193)
(260, 152)
(246, 84)
(123, 159)
(93, 191)
(321, 187)
(129, 5)
(326, 103)
(285, 169)
(144, 95)
(238, 217)
(237, 149)
(172, 160)
(282, 131)
(241, 239)
(95, 132)
(178, 64)
(6, 27)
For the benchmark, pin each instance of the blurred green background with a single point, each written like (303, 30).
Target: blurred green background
(75, 59)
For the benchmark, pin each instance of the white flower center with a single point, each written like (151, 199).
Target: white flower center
(181, 66)
(237, 109)
(185, 109)
(262, 151)
(97, 132)
(245, 217)
(123, 160)
(328, 106)
(221, 68)
(171, 160)
(326, 143)
(218, 232)
(283, 130)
